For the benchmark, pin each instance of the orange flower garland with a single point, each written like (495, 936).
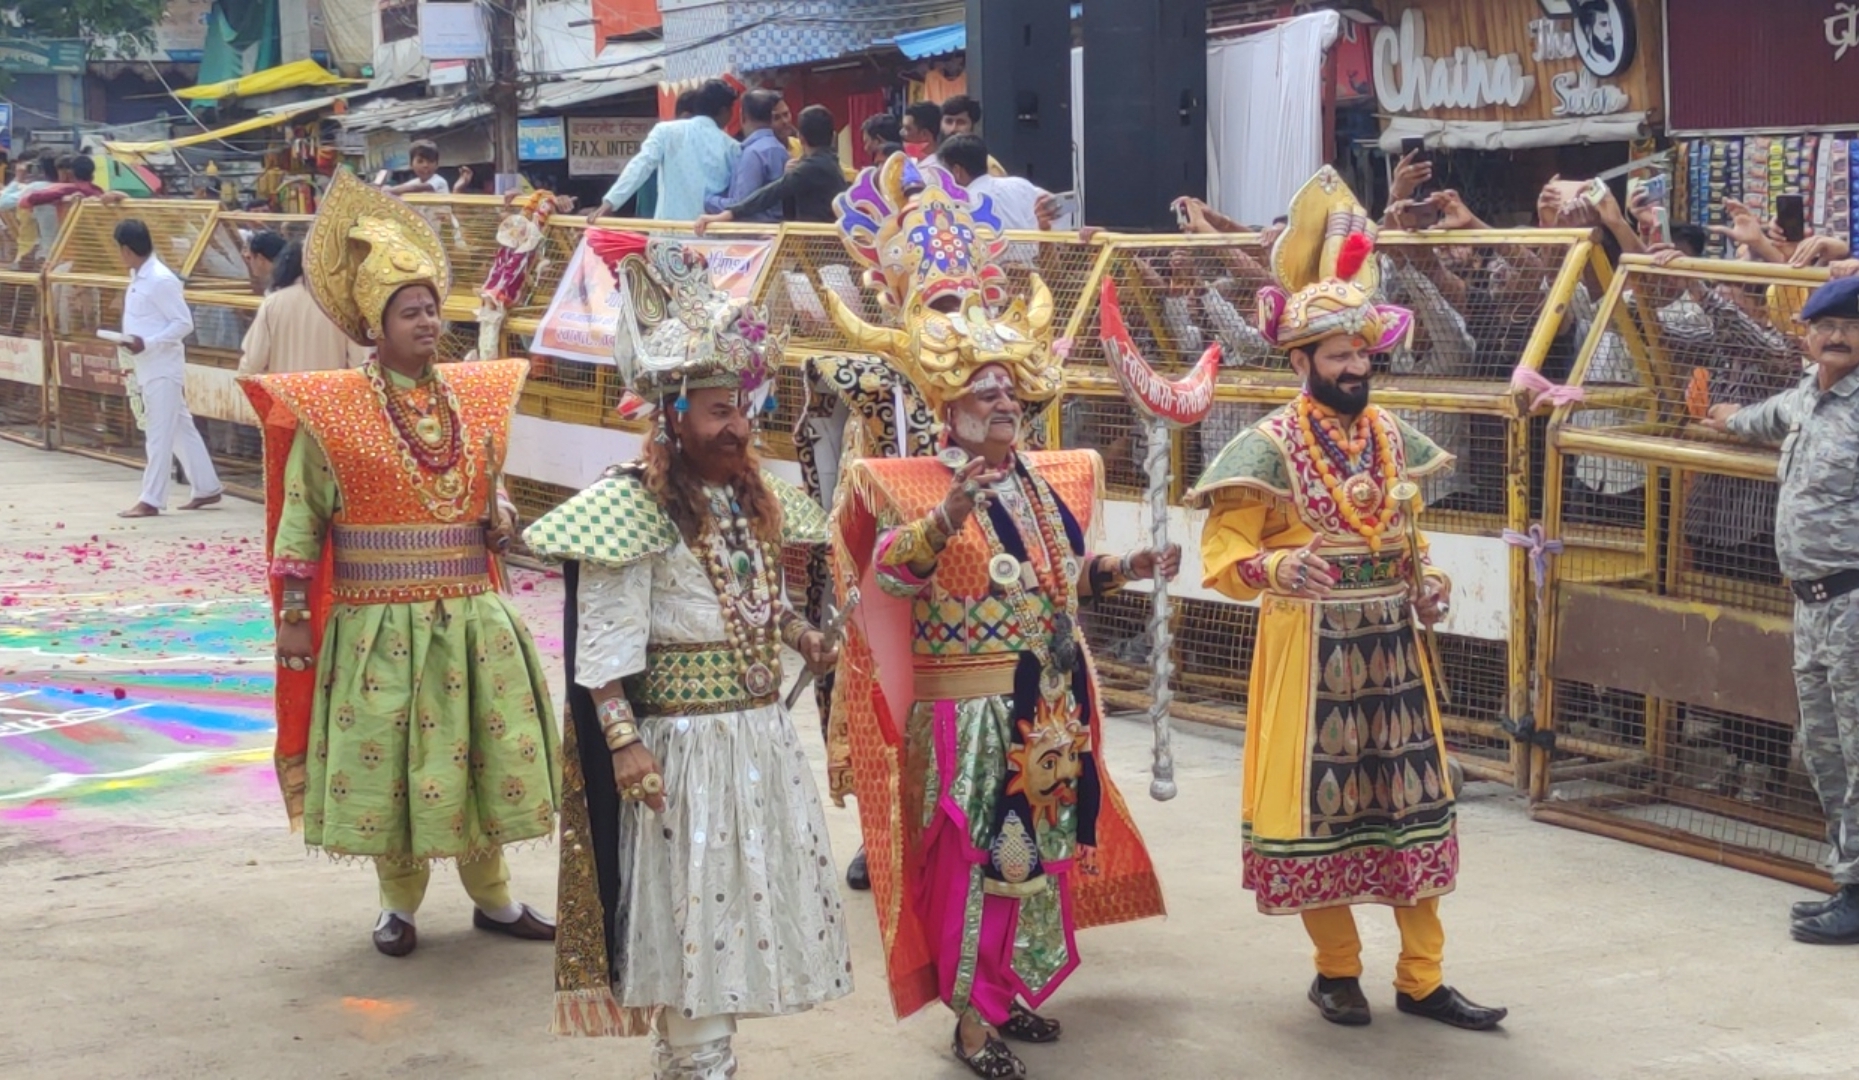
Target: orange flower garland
(1367, 432)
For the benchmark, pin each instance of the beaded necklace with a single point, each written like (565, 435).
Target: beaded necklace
(1360, 500)
(430, 445)
(429, 433)
(742, 570)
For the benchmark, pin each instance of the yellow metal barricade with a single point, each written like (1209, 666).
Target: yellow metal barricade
(1667, 646)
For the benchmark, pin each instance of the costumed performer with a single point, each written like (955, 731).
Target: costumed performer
(413, 714)
(697, 881)
(1346, 794)
(991, 824)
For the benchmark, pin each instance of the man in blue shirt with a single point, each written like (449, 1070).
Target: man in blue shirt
(693, 160)
(767, 124)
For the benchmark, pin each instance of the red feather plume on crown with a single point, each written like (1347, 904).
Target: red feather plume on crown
(1357, 247)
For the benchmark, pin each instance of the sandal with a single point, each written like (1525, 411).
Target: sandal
(1024, 1025)
(992, 1062)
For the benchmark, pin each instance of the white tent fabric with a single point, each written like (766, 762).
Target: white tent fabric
(1265, 116)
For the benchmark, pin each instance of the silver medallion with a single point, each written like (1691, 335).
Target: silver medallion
(758, 680)
(1003, 570)
(953, 456)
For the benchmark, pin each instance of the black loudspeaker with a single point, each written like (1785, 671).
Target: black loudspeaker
(1145, 110)
(1019, 68)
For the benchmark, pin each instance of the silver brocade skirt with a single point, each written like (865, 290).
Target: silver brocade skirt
(730, 898)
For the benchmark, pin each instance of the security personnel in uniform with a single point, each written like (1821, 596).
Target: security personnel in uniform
(1817, 541)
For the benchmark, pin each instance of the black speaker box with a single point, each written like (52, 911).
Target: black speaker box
(1019, 68)
(1145, 110)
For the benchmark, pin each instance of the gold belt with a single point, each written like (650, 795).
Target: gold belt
(395, 564)
(693, 680)
(965, 677)
(1358, 573)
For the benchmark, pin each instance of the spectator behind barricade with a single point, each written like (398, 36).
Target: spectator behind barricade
(961, 115)
(1020, 203)
(1425, 278)
(49, 204)
(291, 332)
(807, 191)
(693, 159)
(423, 156)
(883, 136)
(922, 130)
(1717, 338)
(767, 122)
(1210, 295)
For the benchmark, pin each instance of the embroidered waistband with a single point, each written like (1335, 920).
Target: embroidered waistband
(384, 564)
(693, 680)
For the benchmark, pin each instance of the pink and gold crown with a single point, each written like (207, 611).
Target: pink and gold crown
(1328, 276)
(931, 252)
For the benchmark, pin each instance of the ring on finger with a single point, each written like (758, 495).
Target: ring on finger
(652, 784)
(971, 489)
(636, 793)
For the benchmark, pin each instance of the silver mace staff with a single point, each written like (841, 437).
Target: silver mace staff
(1164, 405)
(835, 630)
(1156, 463)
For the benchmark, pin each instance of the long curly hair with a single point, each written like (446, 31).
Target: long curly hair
(680, 490)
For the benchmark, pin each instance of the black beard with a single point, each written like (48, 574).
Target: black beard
(1334, 397)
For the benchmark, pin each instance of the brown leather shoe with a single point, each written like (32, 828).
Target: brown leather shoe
(530, 926)
(201, 502)
(395, 936)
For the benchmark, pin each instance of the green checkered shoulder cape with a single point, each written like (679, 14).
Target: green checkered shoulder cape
(617, 521)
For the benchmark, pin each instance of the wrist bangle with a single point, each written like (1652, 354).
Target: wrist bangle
(290, 616)
(620, 735)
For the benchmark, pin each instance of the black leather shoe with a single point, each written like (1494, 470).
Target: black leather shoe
(394, 936)
(1807, 909)
(1838, 925)
(858, 876)
(1340, 1001)
(1448, 1006)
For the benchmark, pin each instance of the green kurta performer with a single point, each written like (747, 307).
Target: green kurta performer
(420, 729)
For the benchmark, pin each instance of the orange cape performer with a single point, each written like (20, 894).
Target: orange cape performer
(992, 829)
(422, 730)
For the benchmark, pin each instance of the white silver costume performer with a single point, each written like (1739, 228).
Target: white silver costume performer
(725, 905)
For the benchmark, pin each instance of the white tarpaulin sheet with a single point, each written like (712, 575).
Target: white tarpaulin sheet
(1265, 116)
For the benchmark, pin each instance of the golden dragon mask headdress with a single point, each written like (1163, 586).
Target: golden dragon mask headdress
(931, 251)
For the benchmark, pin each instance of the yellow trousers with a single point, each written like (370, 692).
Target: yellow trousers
(486, 881)
(1423, 945)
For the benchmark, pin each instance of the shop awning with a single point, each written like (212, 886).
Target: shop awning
(1513, 135)
(286, 77)
(256, 123)
(428, 114)
(943, 40)
(936, 41)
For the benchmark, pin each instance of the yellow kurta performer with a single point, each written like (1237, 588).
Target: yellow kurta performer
(1347, 798)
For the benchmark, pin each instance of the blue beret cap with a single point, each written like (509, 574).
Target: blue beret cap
(1834, 300)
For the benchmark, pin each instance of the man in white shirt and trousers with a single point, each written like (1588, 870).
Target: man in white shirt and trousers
(156, 320)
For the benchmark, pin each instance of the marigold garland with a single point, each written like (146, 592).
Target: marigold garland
(1368, 431)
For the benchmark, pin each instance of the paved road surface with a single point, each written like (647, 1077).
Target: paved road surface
(161, 923)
